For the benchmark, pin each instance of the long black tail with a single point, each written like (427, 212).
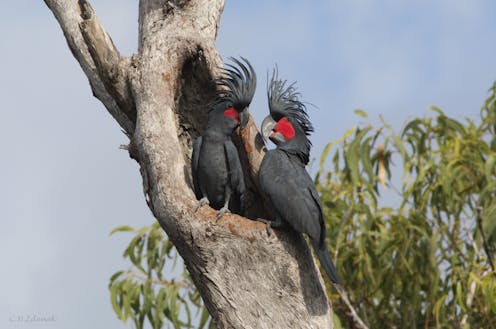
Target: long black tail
(326, 261)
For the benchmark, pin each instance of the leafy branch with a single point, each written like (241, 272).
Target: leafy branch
(143, 293)
(411, 264)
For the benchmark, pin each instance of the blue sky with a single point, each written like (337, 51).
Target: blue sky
(65, 184)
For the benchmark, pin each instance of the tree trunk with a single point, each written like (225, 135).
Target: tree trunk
(158, 97)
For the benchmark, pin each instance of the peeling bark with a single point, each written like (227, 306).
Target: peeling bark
(159, 97)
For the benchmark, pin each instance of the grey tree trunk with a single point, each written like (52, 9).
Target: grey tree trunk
(159, 97)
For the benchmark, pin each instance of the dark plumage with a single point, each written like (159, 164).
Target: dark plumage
(237, 86)
(216, 168)
(283, 177)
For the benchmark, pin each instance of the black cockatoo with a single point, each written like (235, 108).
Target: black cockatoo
(283, 177)
(216, 168)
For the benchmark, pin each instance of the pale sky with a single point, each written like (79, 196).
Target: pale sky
(65, 184)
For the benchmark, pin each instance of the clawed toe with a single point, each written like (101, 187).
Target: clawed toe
(221, 213)
(267, 224)
(202, 202)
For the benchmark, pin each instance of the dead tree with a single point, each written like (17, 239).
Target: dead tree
(158, 97)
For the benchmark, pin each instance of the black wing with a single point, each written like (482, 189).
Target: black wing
(316, 199)
(294, 197)
(195, 159)
(319, 245)
(288, 187)
(326, 261)
(236, 179)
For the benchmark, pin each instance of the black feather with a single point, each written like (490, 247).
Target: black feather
(326, 261)
(282, 175)
(237, 84)
(284, 102)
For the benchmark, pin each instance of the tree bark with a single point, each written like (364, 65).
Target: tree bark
(158, 97)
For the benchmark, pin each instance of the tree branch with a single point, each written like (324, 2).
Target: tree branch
(112, 68)
(352, 312)
(69, 15)
(254, 146)
(485, 244)
(247, 279)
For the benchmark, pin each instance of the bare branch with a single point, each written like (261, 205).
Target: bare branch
(472, 242)
(470, 299)
(69, 15)
(354, 315)
(112, 68)
(484, 240)
(254, 146)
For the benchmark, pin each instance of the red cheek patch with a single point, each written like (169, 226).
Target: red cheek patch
(285, 127)
(232, 113)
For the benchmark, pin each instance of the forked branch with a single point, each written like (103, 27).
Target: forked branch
(112, 67)
(246, 279)
(105, 68)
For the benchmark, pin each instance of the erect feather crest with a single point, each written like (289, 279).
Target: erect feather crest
(284, 101)
(237, 84)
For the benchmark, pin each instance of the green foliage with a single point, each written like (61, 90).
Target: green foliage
(426, 260)
(142, 293)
